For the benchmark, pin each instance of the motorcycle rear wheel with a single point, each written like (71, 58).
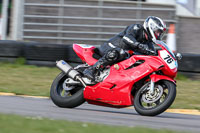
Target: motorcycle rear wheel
(147, 106)
(63, 98)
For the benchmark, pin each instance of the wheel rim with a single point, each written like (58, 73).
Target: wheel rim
(148, 101)
(63, 92)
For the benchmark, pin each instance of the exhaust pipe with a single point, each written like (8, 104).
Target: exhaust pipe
(66, 68)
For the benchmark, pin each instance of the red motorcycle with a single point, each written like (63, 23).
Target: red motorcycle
(145, 81)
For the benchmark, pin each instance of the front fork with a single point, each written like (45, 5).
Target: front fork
(152, 85)
(155, 78)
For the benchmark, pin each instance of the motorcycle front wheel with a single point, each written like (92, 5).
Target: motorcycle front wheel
(65, 98)
(148, 104)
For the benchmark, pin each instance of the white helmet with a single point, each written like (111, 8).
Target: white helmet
(155, 28)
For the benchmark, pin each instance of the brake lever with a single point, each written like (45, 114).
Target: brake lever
(151, 52)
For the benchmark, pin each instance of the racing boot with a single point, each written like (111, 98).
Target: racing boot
(112, 56)
(92, 70)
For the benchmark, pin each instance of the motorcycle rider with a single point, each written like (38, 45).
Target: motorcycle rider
(136, 37)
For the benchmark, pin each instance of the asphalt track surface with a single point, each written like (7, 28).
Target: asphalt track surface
(43, 107)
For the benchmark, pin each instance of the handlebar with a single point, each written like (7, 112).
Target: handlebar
(151, 52)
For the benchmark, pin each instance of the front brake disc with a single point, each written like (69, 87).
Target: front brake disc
(148, 98)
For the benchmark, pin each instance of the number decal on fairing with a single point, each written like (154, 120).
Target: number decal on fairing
(168, 59)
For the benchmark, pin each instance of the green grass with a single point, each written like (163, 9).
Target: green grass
(24, 79)
(188, 92)
(31, 80)
(19, 124)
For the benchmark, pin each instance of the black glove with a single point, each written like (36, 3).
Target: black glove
(143, 48)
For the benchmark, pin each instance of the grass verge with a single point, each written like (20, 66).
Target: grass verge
(32, 80)
(26, 79)
(19, 124)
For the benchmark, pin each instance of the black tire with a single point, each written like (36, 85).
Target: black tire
(189, 63)
(50, 52)
(161, 107)
(11, 48)
(76, 95)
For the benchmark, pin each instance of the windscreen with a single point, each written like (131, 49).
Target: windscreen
(164, 45)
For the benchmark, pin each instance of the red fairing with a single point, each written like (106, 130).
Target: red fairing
(167, 70)
(85, 52)
(156, 78)
(115, 90)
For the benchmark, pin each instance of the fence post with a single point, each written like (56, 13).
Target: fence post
(18, 12)
(60, 20)
(100, 15)
(139, 12)
(4, 19)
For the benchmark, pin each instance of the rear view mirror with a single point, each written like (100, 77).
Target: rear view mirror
(178, 56)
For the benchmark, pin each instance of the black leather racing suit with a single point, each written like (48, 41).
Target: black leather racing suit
(113, 50)
(129, 39)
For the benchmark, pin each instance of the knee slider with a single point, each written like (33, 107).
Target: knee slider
(112, 55)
